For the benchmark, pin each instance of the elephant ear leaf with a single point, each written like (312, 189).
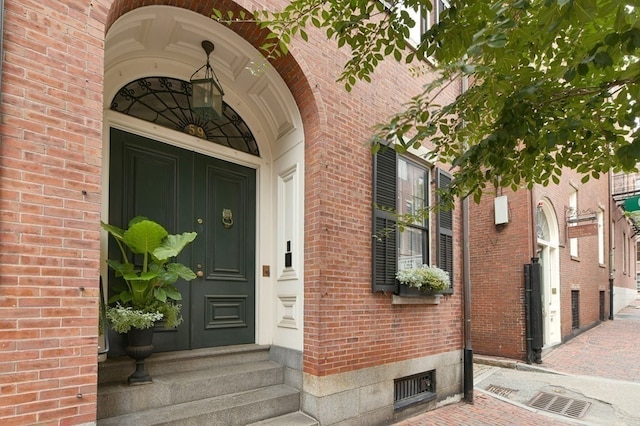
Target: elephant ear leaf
(113, 230)
(172, 292)
(181, 271)
(173, 245)
(144, 236)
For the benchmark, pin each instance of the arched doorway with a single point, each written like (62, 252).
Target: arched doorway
(548, 254)
(165, 42)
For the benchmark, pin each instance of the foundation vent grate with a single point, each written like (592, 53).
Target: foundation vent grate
(413, 389)
(569, 407)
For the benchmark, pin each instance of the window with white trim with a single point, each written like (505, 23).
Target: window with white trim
(601, 253)
(625, 253)
(573, 216)
(413, 243)
(401, 186)
(439, 7)
(424, 19)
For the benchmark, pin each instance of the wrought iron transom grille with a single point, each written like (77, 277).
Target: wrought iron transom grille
(167, 102)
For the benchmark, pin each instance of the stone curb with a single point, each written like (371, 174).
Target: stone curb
(514, 364)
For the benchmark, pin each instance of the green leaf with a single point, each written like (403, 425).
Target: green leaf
(172, 292)
(583, 69)
(283, 47)
(172, 245)
(570, 74)
(113, 230)
(160, 294)
(497, 41)
(125, 296)
(585, 10)
(603, 59)
(182, 271)
(144, 236)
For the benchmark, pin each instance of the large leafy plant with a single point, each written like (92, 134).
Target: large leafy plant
(148, 285)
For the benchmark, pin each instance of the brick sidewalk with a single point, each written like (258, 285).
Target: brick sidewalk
(485, 411)
(609, 350)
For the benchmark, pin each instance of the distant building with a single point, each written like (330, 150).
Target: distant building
(578, 235)
(626, 195)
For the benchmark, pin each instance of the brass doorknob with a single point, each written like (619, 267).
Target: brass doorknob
(200, 274)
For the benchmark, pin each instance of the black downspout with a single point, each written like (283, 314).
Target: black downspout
(612, 239)
(466, 277)
(534, 323)
(527, 311)
(537, 325)
(468, 349)
(611, 297)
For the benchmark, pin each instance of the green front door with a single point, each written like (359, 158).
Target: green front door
(187, 191)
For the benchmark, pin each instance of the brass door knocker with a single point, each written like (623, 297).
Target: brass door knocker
(227, 218)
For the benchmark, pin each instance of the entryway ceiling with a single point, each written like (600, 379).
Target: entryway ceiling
(166, 41)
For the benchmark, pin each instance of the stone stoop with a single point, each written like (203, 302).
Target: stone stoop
(235, 385)
(292, 419)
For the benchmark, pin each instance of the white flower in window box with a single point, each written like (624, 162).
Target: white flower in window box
(427, 279)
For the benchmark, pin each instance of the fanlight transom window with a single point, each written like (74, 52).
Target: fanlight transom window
(166, 101)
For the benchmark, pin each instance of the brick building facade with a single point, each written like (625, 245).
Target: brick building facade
(576, 272)
(63, 64)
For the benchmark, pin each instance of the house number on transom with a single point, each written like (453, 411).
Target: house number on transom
(195, 130)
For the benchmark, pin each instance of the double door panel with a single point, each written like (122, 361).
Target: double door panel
(187, 191)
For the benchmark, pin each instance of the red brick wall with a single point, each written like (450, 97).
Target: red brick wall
(50, 175)
(346, 326)
(498, 254)
(50, 160)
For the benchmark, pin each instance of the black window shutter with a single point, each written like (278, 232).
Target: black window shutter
(385, 256)
(444, 247)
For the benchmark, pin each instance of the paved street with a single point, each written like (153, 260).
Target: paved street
(594, 379)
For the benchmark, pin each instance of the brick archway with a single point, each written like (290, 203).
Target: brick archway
(299, 78)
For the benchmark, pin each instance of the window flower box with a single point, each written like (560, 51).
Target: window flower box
(423, 285)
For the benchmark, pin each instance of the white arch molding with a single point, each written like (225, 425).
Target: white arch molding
(548, 237)
(166, 41)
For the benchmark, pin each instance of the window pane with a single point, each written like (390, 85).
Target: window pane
(411, 189)
(542, 225)
(573, 204)
(410, 248)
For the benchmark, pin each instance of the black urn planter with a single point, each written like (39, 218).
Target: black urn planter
(139, 347)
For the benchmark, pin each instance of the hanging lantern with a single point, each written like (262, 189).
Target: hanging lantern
(207, 93)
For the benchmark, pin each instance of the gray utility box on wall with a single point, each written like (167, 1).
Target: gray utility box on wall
(501, 205)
